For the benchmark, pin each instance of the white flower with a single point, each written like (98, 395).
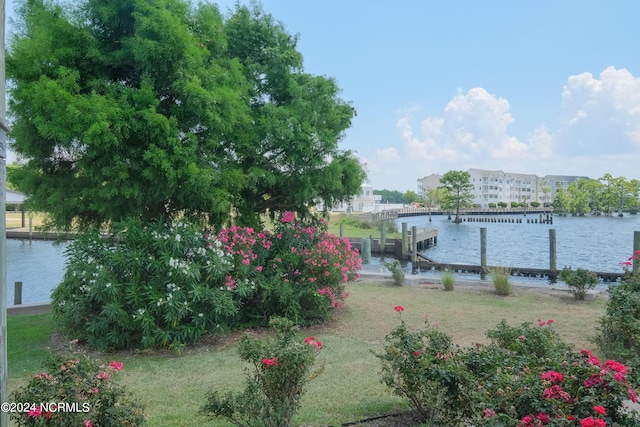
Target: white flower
(177, 237)
(200, 314)
(108, 285)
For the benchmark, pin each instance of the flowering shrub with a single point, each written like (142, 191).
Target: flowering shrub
(166, 285)
(301, 270)
(279, 370)
(619, 332)
(579, 281)
(526, 377)
(77, 392)
(416, 366)
(156, 285)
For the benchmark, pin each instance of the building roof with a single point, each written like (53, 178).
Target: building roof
(15, 198)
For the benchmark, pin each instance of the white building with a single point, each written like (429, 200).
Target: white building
(364, 202)
(495, 186)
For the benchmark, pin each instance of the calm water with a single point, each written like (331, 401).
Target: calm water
(596, 243)
(39, 265)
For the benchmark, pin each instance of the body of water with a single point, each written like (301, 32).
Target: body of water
(38, 264)
(594, 242)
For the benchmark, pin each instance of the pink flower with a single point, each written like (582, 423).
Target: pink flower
(398, 308)
(489, 413)
(633, 396)
(310, 339)
(550, 322)
(417, 354)
(543, 417)
(600, 409)
(552, 376)
(259, 268)
(87, 423)
(287, 217)
(270, 362)
(96, 390)
(592, 422)
(35, 412)
(116, 365)
(103, 376)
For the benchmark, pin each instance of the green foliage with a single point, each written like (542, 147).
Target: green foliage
(279, 371)
(390, 196)
(579, 281)
(619, 331)
(492, 205)
(89, 389)
(448, 281)
(146, 109)
(410, 197)
(527, 376)
(535, 204)
(501, 278)
(166, 285)
(396, 271)
(155, 285)
(416, 366)
(502, 204)
(458, 186)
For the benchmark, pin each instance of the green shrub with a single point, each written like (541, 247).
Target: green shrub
(166, 285)
(417, 367)
(619, 330)
(155, 285)
(279, 370)
(527, 376)
(579, 281)
(87, 388)
(396, 271)
(501, 278)
(447, 279)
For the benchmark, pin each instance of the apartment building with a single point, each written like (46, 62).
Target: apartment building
(494, 186)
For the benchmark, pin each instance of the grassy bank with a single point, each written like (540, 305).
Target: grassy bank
(172, 387)
(354, 227)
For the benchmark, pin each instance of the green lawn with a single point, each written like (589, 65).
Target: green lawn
(172, 387)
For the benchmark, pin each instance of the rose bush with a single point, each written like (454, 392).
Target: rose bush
(526, 377)
(280, 369)
(89, 390)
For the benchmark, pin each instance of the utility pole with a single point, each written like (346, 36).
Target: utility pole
(4, 422)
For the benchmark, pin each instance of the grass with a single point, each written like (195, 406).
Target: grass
(353, 227)
(14, 220)
(172, 387)
(501, 278)
(448, 281)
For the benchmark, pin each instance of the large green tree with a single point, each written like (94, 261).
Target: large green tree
(458, 187)
(157, 108)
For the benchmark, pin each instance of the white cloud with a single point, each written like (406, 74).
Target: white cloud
(597, 132)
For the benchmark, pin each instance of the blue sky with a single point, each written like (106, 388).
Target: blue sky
(543, 87)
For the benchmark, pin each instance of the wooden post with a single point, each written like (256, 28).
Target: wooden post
(414, 247)
(30, 227)
(366, 250)
(552, 253)
(17, 293)
(22, 215)
(405, 241)
(341, 230)
(383, 239)
(483, 251)
(636, 247)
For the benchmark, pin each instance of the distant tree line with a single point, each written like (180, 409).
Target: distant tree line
(604, 196)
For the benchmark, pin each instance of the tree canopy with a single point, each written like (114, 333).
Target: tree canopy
(155, 109)
(458, 186)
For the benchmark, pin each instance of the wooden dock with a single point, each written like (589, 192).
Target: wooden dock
(425, 237)
(424, 265)
(393, 214)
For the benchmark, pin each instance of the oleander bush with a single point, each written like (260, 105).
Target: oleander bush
(163, 285)
(525, 377)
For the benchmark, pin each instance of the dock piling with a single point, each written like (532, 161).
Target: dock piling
(17, 293)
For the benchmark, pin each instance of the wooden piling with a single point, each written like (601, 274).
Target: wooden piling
(366, 250)
(17, 293)
(383, 239)
(341, 231)
(483, 251)
(405, 240)
(552, 250)
(414, 246)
